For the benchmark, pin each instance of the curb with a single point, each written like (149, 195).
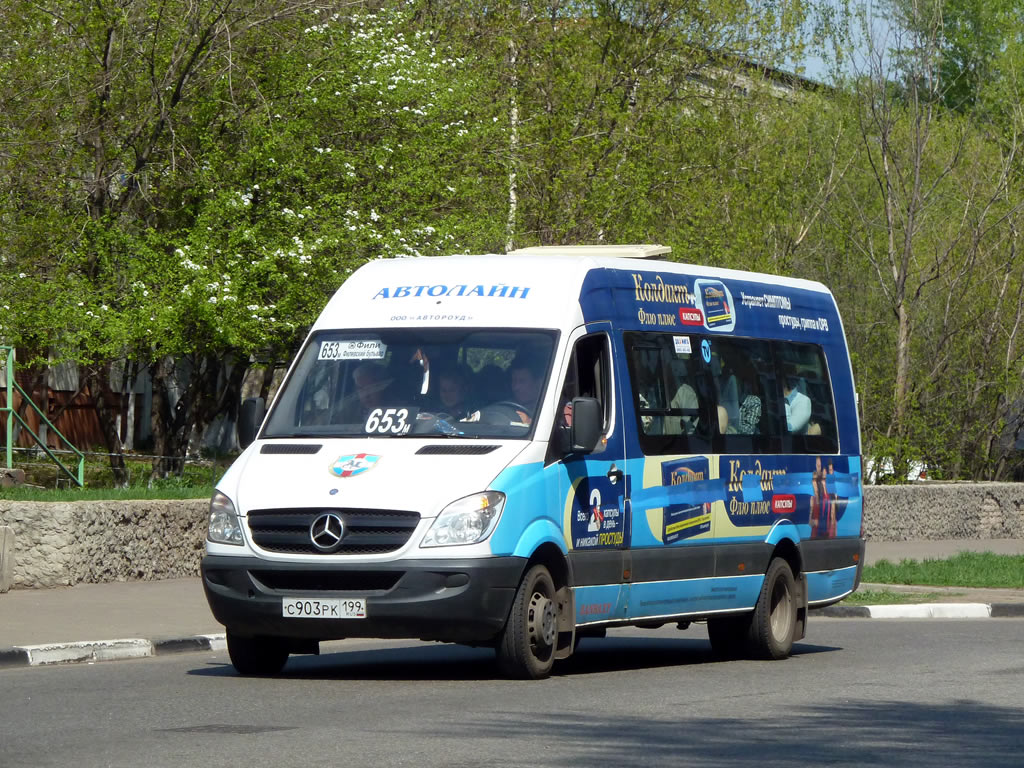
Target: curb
(106, 650)
(924, 611)
(134, 648)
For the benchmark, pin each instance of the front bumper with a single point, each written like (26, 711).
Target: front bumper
(463, 601)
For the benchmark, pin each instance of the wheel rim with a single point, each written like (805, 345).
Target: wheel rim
(781, 611)
(542, 623)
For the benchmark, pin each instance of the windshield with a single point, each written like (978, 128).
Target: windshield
(418, 381)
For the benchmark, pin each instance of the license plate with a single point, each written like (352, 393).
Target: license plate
(324, 608)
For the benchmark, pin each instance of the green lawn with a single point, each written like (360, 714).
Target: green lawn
(41, 477)
(966, 569)
(889, 597)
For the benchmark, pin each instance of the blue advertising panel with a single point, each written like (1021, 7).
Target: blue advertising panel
(715, 304)
(807, 490)
(681, 521)
(597, 516)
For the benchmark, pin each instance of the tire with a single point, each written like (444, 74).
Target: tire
(259, 656)
(526, 649)
(773, 623)
(728, 635)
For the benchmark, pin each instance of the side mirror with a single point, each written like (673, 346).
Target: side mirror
(250, 417)
(587, 422)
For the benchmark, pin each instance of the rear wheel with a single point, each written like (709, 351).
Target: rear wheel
(773, 623)
(528, 642)
(257, 655)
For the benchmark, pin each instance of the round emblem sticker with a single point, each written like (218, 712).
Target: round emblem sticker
(353, 464)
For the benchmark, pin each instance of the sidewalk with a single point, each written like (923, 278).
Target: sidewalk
(894, 551)
(132, 619)
(103, 622)
(149, 609)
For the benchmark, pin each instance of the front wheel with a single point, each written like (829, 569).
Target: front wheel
(773, 624)
(257, 655)
(527, 646)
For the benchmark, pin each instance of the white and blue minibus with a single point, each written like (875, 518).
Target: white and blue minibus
(521, 450)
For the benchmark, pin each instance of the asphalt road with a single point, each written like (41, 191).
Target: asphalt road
(856, 692)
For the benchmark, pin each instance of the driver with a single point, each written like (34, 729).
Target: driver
(525, 379)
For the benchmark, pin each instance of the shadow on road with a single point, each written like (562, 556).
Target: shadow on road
(440, 662)
(841, 730)
(852, 733)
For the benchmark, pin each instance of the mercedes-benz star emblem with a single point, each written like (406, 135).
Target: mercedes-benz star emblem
(326, 531)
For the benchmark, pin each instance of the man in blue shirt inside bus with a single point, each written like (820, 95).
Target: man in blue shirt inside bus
(798, 405)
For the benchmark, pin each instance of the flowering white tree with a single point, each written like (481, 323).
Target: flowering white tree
(218, 171)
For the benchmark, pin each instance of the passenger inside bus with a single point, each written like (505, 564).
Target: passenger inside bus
(453, 393)
(798, 405)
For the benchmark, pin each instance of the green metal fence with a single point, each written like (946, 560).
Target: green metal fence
(8, 411)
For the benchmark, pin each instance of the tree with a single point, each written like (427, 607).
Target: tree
(226, 167)
(100, 93)
(931, 211)
(606, 105)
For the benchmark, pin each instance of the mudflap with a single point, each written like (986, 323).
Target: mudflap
(566, 622)
(800, 626)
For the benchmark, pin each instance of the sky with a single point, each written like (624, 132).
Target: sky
(817, 67)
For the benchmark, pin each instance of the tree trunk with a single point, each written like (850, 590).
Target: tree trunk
(902, 386)
(200, 399)
(129, 412)
(161, 417)
(224, 378)
(101, 397)
(268, 379)
(513, 148)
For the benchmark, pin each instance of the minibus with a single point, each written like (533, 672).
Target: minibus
(521, 450)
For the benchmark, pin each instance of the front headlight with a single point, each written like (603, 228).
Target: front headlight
(466, 521)
(224, 526)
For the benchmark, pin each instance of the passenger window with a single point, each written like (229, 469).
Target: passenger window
(752, 396)
(746, 396)
(670, 393)
(809, 411)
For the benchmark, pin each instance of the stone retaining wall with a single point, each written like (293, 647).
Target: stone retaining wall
(933, 511)
(63, 543)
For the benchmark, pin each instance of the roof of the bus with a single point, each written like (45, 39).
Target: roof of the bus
(644, 257)
(580, 259)
(374, 294)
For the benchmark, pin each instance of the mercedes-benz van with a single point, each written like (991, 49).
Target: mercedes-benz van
(521, 450)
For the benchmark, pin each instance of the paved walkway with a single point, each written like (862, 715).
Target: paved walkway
(150, 609)
(894, 551)
(158, 616)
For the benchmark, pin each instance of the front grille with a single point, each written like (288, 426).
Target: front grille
(328, 581)
(367, 531)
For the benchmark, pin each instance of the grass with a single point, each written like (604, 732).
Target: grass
(966, 569)
(889, 597)
(43, 479)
